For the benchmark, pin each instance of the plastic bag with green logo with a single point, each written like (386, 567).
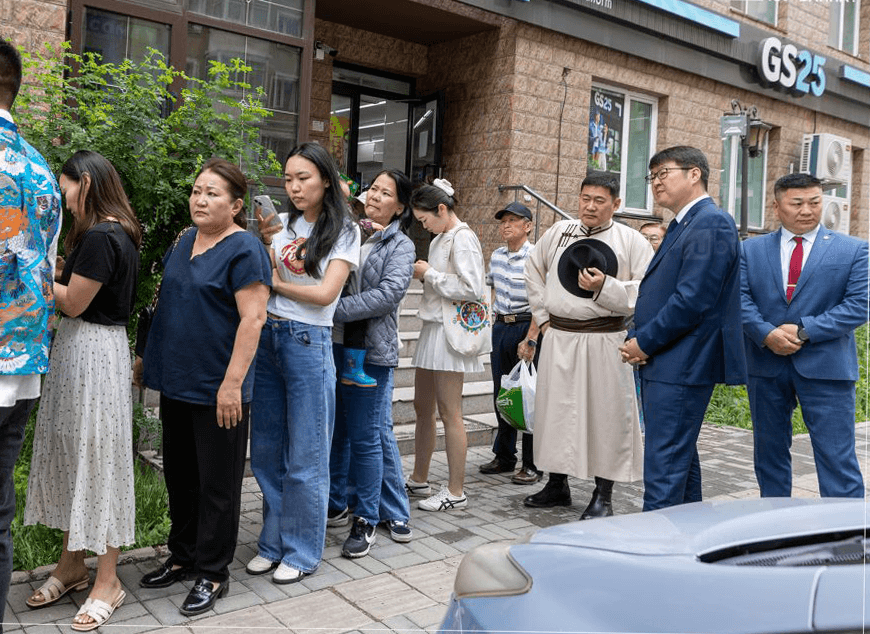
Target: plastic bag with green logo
(516, 398)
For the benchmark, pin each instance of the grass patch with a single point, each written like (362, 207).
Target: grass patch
(729, 404)
(38, 545)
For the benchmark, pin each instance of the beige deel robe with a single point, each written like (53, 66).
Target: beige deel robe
(586, 420)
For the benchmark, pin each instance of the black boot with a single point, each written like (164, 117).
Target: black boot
(555, 493)
(600, 504)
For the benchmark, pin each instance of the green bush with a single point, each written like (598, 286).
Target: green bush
(38, 545)
(154, 123)
(730, 404)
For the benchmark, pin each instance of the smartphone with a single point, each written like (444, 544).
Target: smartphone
(263, 204)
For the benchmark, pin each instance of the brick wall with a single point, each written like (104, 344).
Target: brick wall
(32, 23)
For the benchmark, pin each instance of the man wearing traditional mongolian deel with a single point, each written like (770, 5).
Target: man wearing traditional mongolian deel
(582, 279)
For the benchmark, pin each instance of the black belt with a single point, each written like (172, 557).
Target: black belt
(512, 319)
(599, 324)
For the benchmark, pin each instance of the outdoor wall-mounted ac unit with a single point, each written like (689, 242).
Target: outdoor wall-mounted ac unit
(835, 213)
(827, 157)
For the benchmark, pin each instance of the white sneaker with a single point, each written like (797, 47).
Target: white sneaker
(443, 501)
(287, 574)
(260, 565)
(417, 489)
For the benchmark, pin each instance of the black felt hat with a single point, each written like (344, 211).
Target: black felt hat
(583, 254)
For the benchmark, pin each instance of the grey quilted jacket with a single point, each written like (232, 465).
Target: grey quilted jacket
(384, 280)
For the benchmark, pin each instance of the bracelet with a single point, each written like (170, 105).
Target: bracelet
(531, 343)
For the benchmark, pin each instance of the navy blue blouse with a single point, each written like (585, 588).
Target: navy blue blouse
(194, 327)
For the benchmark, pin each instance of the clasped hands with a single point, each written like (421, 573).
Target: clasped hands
(783, 340)
(631, 353)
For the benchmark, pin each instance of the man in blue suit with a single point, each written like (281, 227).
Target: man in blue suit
(804, 291)
(687, 325)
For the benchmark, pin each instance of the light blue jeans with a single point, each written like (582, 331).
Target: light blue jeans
(291, 431)
(364, 450)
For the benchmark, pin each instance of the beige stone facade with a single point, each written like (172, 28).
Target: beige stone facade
(509, 118)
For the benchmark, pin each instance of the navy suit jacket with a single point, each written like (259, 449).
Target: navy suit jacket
(687, 316)
(830, 300)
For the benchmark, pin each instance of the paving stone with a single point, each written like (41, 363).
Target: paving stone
(403, 561)
(373, 565)
(428, 617)
(237, 601)
(322, 612)
(165, 611)
(434, 579)
(350, 567)
(424, 551)
(44, 629)
(240, 621)
(264, 588)
(469, 543)
(319, 581)
(390, 549)
(383, 596)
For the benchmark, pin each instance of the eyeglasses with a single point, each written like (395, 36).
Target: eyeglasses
(653, 239)
(662, 174)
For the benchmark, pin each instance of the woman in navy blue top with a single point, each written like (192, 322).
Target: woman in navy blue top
(200, 355)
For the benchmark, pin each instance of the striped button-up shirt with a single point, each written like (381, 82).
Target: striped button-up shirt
(506, 276)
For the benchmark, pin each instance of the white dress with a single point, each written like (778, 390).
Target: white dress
(81, 473)
(433, 351)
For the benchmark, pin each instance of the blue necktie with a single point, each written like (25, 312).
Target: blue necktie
(670, 233)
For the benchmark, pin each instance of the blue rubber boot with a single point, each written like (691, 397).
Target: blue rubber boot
(353, 373)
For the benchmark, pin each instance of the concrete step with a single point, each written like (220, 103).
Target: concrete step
(408, 320)
(479, 428)
(404, 374)
(413, 296)
(476, 399)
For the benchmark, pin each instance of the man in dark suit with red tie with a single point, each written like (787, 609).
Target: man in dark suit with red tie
(687, 334)
(804, 291)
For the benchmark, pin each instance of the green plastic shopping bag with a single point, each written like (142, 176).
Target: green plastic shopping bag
(516, 398)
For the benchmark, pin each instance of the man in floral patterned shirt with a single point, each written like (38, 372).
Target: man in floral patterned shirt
(29, 226)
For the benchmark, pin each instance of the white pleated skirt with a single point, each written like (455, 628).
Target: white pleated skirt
(81, 474)
(434, 353)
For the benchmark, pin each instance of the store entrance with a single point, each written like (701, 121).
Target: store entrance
(377, 123)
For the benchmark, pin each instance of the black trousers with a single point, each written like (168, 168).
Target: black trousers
(204, 465)
(506, 338)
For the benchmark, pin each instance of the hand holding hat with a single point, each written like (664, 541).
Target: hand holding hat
(583, 266)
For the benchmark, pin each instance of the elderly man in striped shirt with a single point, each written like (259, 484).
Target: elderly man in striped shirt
(514, 334)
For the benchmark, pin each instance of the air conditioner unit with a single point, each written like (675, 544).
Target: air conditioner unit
(827, 157)
(835, 213)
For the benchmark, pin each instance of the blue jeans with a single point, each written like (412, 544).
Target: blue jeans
(365, 452)
(12, 422)
(291, 430)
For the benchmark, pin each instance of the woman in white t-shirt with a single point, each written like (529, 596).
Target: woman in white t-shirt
(294, 383)
(454, 272)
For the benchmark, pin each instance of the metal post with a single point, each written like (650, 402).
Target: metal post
(744, 189)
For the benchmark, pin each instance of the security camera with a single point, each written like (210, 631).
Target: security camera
(320, 49)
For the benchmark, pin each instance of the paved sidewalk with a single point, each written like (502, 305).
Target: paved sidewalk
(398, 587)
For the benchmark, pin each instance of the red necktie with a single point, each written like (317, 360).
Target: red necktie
(794, 267)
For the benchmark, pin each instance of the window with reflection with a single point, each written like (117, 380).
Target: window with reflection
(274, 67)
(280, 16)
(116, 37)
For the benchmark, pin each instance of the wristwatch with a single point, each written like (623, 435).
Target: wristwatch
(531, 343)
(802, 334)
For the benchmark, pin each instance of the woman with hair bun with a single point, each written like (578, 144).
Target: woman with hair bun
(454, 271)
(81, 476)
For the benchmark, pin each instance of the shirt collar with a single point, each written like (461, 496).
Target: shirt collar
(521, 251)
(809, 236)
(685, 210)
(5, 114)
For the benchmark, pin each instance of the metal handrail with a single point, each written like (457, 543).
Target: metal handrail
(541, 200)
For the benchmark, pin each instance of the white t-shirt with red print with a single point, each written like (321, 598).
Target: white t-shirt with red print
(290, 243)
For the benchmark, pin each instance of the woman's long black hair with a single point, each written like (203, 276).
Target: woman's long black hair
(334, 216)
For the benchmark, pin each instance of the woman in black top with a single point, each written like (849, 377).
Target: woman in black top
(81, 477)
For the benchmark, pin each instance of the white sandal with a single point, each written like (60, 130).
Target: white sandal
(99, 611)
(53, 589)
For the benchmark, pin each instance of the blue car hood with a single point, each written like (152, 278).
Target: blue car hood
(695, 529)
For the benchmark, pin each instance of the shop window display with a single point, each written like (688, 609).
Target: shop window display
(620, 140)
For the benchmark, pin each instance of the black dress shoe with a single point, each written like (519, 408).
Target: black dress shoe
(497, 465)
(203, 596)
(551, 495)
(165, 576)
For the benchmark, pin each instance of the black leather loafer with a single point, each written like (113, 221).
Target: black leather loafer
(203, 597)
(165, 576)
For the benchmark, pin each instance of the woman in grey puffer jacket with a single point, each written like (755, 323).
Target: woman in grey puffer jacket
(364, 449)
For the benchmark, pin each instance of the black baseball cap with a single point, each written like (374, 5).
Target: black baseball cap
(515, 208)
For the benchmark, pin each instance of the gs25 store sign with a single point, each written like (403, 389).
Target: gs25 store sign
(783, 67)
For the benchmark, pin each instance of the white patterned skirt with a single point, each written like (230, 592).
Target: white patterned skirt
(434, 353)
(81, 474)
